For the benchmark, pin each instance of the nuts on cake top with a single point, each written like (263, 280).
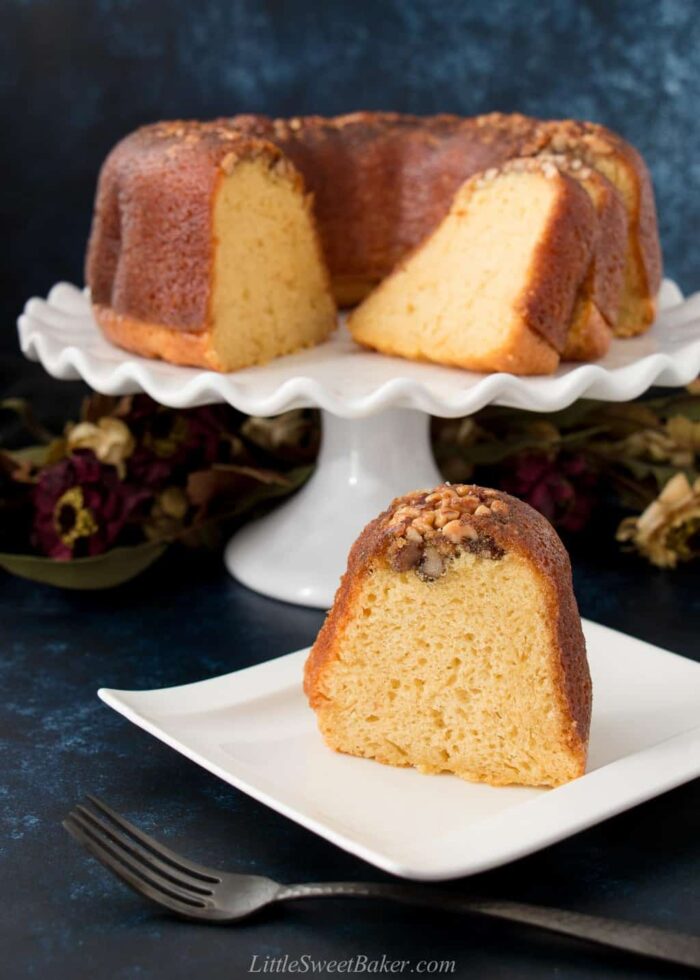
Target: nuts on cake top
(427, 529)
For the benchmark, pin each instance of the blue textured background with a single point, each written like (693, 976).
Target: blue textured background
(75, 75)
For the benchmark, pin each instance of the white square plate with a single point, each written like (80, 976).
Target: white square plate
(254, 729)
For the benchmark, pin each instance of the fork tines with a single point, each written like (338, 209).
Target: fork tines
(147, 866)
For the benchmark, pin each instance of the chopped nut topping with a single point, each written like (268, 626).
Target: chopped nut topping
(457, 532)
(406, 555)
(228, 162)
(430, 528)
(487, 547)
(403, 512)
(431, 565)
(422, 526)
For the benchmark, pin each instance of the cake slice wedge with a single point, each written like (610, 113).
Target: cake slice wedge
(624, 167)
(204, 250)
(493, 288)
(454, 644)
(598, 302)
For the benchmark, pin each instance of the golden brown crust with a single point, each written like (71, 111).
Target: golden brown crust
(510, 526)
(609, 153)
(561, 261)
(589, 335)
(608, 274)
(150, 251)
(608, 267)
(598, 302)
(190, 348)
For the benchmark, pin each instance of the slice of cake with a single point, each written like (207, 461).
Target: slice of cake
(204, 249)
(598, 302)
(493, 288)
(454, 644)
(625, 169)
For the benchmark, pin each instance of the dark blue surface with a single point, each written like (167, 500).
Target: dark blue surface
(186, 620)
(75, 75)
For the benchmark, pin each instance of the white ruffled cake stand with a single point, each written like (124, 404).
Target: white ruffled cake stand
(375, 417)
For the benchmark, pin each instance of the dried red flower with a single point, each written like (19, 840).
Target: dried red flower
(170, 443)
(81, 507)
(560, 488)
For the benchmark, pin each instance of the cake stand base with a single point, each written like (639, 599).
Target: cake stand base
(298, 552)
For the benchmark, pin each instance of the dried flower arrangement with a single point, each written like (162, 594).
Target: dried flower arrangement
(95, 506)
(98, 504)
(641, 457)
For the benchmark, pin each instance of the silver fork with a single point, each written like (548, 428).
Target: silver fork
(194, 892)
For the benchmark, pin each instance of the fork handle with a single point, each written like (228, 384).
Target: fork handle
(661, 944)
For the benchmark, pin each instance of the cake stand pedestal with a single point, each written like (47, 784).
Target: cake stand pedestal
(375, 416)
(298, 552)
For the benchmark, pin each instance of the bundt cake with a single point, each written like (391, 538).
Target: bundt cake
(454, 644)
(172, 276)
(493, 288)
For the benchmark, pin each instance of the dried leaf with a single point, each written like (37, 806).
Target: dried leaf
(679, 403)
(642, 470)
(622, 419)
(205, 486)
(208, 531)
(101, 572)
(30, 456)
